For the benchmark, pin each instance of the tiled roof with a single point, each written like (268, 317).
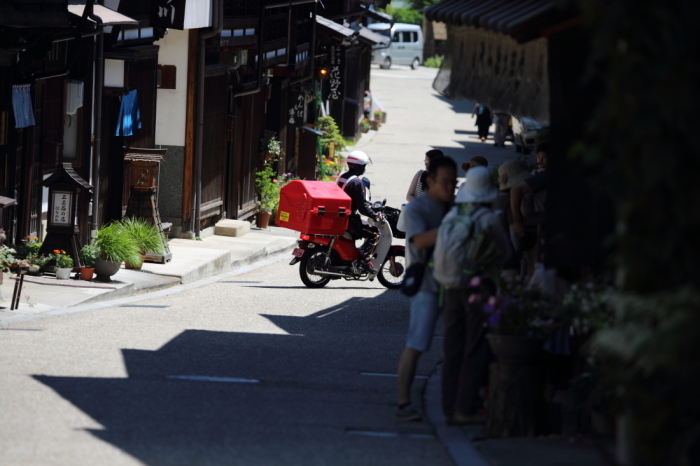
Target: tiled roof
(521, 19)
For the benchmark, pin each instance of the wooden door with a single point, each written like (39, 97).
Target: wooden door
(249, 120)
(214, 143)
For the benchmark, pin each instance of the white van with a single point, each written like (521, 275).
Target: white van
(406, 47)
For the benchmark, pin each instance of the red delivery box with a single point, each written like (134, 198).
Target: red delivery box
(314, 207)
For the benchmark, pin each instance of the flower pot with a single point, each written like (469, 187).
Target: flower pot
(262, 219)
(512, 349)
(138, 266)
(63, 273)
(34, 270)
(105, 269)
(516, 387)
(384, 117)
(374, 124)
(86, 273)
(364, 129)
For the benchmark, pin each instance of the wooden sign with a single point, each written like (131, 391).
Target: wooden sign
(62, 208)
(337, 69)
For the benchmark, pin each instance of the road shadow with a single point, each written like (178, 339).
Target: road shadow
(308, 382)
(458, 106)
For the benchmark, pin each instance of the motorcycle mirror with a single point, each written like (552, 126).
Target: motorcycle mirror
(384, 202)
(365, 181)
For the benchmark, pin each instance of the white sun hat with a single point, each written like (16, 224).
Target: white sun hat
(478, 187)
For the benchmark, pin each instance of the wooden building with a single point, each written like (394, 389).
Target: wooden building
(47, 59)
(529, 59)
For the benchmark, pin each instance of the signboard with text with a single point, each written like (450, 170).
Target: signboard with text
(62, 205)
(337, 72)
(296, 111)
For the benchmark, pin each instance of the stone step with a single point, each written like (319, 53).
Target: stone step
(235, 228)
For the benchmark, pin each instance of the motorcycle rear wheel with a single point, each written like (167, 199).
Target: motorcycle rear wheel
(306, 267)
(393, 279)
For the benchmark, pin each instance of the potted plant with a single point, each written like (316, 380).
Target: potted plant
(115, 247)
(268, 188)
(145, 236)
(364, 125)
(270, 148)
(64, 264)
(89, 254)
(36, 263)
(7, 256)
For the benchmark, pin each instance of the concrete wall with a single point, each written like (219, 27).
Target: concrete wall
(172, 103)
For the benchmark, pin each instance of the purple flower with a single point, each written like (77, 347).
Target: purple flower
(494, 317)
(474, 297)
(475, 281)
(492, 301)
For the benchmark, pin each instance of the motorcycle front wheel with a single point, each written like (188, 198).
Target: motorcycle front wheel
(306, 269)
(392, 272)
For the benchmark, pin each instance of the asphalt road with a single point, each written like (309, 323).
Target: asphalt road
(254, 369)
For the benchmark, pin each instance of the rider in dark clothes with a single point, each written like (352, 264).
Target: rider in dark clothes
(354, 187)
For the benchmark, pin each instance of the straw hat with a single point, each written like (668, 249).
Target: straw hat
(511, 173)
(476, 161)
(478, 187)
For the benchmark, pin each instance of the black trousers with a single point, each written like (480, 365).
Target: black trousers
(466, 353)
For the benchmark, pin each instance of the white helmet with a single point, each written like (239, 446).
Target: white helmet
(358, 157)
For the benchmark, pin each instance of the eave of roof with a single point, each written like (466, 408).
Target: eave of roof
(521, 19)
(334, 27)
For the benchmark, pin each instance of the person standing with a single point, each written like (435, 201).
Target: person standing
(483, 120)
(418, 186)
(367, 104)
(422, 219)
(501, 130)
(466, 349)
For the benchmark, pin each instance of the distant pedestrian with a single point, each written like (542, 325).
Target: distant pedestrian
(476, 161)
(501, 130)
(367, 104)
(422, 218)
(418, 186)
(483, 120)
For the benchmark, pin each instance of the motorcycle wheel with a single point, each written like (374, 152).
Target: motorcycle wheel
(389, 276)
(306, 267)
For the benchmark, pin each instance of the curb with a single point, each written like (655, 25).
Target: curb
(132, 292)
(81, 307)
(453, 438)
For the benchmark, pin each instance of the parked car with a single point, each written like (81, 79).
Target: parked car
(405, 48)
(525, 133)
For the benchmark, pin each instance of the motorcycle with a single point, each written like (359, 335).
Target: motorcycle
(324, 258)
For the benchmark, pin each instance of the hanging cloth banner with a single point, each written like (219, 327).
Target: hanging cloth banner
(22, 105)
(129, 115)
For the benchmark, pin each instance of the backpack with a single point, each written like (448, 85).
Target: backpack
(465, 246)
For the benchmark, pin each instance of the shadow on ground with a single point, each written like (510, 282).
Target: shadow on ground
(308, 393)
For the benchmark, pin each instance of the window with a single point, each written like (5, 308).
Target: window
(406, 36)
(397, 37)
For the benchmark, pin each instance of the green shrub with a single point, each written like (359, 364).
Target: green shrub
(116, 245)
(268, 188)
(331, 134)
(144, 234)
(434, 62)
(89, 253)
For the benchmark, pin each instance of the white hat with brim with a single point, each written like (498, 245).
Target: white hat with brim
(511, 173)
(478, 187)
